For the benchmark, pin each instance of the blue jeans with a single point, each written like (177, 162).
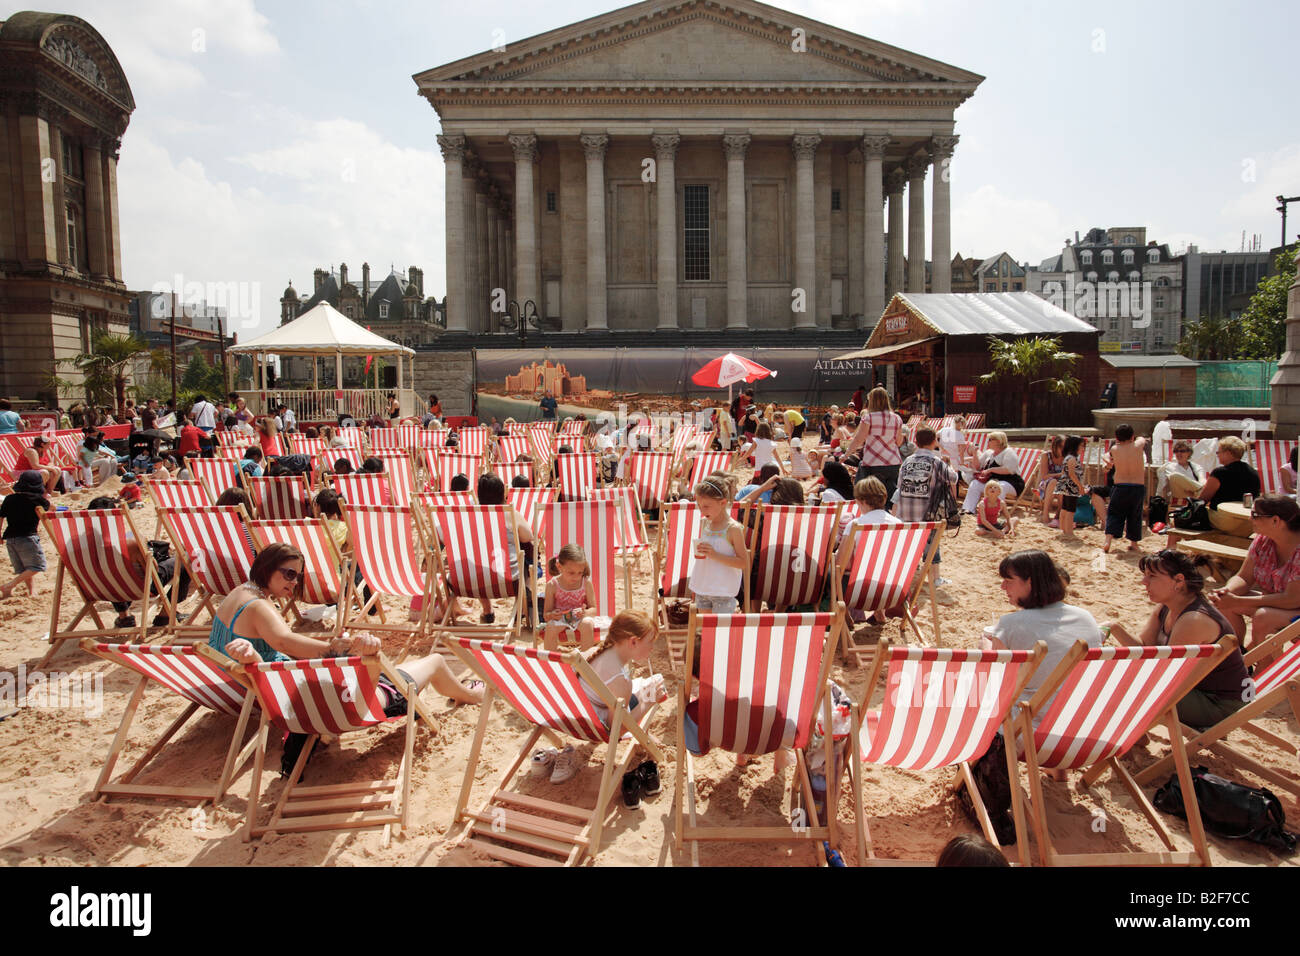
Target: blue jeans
(713, 604)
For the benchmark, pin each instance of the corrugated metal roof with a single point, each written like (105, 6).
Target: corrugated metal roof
(1149, 361)
(993, 313)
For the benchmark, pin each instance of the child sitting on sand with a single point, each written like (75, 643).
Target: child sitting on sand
(993, 517)
(570, 604)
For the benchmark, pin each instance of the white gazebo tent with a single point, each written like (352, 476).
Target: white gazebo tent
(323, 330)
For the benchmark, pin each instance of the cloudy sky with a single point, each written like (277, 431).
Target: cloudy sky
(271, 137)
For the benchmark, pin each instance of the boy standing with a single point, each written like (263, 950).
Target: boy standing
(1124, 514)
(917, 478)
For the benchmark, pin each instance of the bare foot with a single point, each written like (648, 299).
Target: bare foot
(742, 760)
(1135, 546)
(1069, 536)
(783, 758)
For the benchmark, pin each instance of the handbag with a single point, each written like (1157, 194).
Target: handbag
(994, 784)
(1084, 513)
(1232, 810)
(1194, 517)
(1157, 511)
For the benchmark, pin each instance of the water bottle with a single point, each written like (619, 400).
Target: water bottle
(833, 857)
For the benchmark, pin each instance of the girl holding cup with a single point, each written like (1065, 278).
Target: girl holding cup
(720, 553)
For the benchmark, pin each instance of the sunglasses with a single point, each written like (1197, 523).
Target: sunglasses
(290, 574)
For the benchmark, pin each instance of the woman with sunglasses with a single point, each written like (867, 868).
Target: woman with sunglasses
(1174, 584)
(250, 629)
(1267, 588)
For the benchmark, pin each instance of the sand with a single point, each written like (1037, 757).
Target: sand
(51, 756)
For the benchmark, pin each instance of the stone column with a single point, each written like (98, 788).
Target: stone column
(665, 145)
(481, 234)
(916, 167)
(805, 228)
(594, 146)
(114, 238)
(896, 274)
(494, 248)
(41, 225)
(941, 216)
(1286, 380)
(96, 248)
(525, 224)
(469, 187)
(855, 235)
(734, 146)
(873, 150)
(453, 156)
(504, 274)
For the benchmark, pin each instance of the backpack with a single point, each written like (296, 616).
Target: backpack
(1084, 513)
(944, 505)
(1232, 810)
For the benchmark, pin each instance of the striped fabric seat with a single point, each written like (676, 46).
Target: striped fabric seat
(443, 466)
(534, 506)
(979, 441)
(511, 448)
(321, 578)
(941, 708)
(311, 447)
(70, 447)
(428, 500)
(553, 692)
(793, 554)
(280, 498)
(473, 441)
(1029, 460)
(278, 446)
(517, 428)
(103, 556)
(578, 473)
(573, 428)
(229, 454)
(682, 439)
(886, 566)
(401, 438)
(215, 548)
(363, 488)
(641, 434)
(975, 420)
(679, 526)
(354, 456)
(510, 470)
(631, 539)
(389, 546)
(332, 695)
(229, 439)
(707, 462)
(401, 476)
(1270, 456)
(592, 526)
(178, 494)
(649, 472)
(480, 559)
(435, 438)
(353, 435)
(217, 474)
(200, 676)
(8, 459)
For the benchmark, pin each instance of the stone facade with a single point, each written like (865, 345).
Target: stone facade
(450, 376)
(1286, 381)
(64, 105)
(694, 165)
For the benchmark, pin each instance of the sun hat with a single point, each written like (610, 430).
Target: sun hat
(30, 482)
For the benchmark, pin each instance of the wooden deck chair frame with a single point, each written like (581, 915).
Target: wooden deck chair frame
(235, 758)
(446, 554)
(360, 804)
(578, 831)
(847, 562)
(263, 534)
(208, 600)
(423, 559)
(802, 829)
(138, 554)
(1048, 855)
(1286, 689)
(1031, 662)
(674, 549)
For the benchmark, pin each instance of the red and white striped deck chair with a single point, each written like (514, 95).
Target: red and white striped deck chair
(229, 439)
(217, 474)
(435, 438)
(1276, 684)
(792, 555)
(1096, 705)
(579, 474)
(674, 562)
(278, 446)
(363, 488)
(69, 446)
(682, 439)
(936, 424)
(353, 435)
(473, 441)
(355, 457)
(1030, 461)
(177, 494)
(507, 471)
(592, 526)
(534, 506)
(322, 574)
(707, 462)
(390, 546)
(511, 448)
(401, 438)
(543, 451)
(649, 472)
(201, 676)
(550, 691)
(428, 500)
(881, 567)
(287, 496)
(516, 428)
(632, 541)
(229, 454)
(330, 696)
(213, 545)
(401, 476)
(762, 682)
(443, 466)
(643, 429)
(574, 429)
(1270, 456)
(313, 448)
(941, 708)
(975, 420)
(9, 451)
(477, 560)
(102, 556)
(979, 441)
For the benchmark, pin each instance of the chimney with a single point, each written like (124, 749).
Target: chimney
(318, 279)
(365, 284)
(343, 275)
(419, 282)
(410, 275)
(1076, 237)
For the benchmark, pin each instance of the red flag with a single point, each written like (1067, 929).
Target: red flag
(369, 358)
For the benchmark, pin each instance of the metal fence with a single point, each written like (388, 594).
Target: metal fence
(1237, 384)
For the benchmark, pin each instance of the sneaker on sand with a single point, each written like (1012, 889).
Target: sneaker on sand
(648, 772)
(567, 764)
(632, 789)
(542, 763)
(941, 582)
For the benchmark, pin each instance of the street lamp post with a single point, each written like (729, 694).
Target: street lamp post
(1283, 202)
(518, 320)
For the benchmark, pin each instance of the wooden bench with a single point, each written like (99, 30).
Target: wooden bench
(1226, 552)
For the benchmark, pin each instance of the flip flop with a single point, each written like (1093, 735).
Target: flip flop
(474, 684)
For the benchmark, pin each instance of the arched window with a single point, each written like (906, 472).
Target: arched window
(1128, 257)
(1092, 277)
(1135, 276)
(1107, 257)
(1129, 240)
(1163, 281)
(1112, 277)
(1085, 257)
(1153, 255)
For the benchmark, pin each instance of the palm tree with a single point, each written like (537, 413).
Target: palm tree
(106, 368)
(1213, 337)
(1022, 359)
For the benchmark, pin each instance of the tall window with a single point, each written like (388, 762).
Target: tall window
(835, 200)
(74, 236)
(1128, 257)
(1085, 258)
(1107, 257)
(552, 203)
(383, 310)
(72, 164)
(1153, 255)
(696, 229)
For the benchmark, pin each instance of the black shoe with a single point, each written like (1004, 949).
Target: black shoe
(632, 789)
(488, 618)
(124, 621)
(162, 620)
(648, 773)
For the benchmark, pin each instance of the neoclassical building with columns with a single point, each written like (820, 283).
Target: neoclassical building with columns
(694, 164)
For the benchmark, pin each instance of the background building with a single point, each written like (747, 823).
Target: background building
(64, 105)
(198, 325)
(1221, 283)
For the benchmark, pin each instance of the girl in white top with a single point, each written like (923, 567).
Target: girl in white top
(800, 467)
(629, 640)
(720, 553)
(765, 449)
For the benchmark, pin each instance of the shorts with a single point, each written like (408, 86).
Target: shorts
(1124, 516)
(26, 554)
(712, 604)
(397, 705)
(1069, 502)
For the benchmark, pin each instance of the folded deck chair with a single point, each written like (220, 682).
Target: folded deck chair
(674, 562)
(322, 577)
(213, 545)
(793, 554)
(280, 498)
(883, 566)
(762, 682)
(475, 561)
(390, 546)
(941, 708)
(1275, 684)
(1102, 700)
(649, 473)
(545, 688)
(203, 677)
(631, 541)
(102, 556)
(217, 474)
(579, 473)
(330, 696)
(593, 526)
(363, 488)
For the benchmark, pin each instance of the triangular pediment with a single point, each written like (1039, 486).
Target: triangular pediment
(662, 42)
